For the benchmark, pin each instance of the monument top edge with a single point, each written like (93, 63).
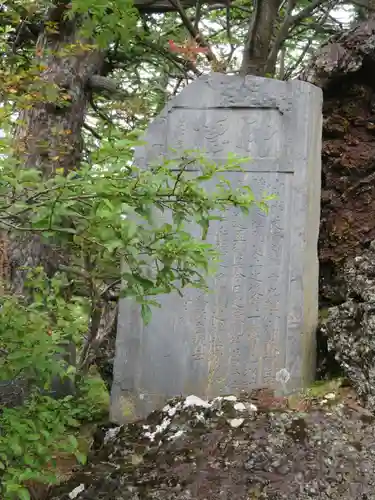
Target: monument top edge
(250, 80)
(219, 90)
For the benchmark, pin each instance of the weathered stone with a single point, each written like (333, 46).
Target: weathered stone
(344, 54)
(350, 327)
(232, 449)
(261, 315)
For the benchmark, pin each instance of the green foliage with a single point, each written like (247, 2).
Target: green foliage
(109, 20)
(115, 212)
(32, 437)
(33, 332)
(105, 214)
(93, 401)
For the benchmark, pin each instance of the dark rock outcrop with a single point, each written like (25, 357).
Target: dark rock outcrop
(344, 68)
(350, 327)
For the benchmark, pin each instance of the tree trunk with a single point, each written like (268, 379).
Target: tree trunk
(49, 137)
(259, 37)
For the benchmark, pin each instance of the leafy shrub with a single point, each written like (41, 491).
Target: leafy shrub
(32, 335)
(31, 438)
(93, 400)
(95, 219)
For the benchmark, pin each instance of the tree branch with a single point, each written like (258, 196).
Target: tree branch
(92, 131)
(160, 6)
(100, 84)
(280, 38)
(307, 11)
(193, 30)
(101, 115)
(198, 12)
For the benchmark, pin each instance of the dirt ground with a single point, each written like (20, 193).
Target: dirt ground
(251, 447)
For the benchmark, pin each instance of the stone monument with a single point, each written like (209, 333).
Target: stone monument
(260, 318)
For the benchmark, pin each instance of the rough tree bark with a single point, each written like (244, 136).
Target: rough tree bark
(49, 137)
(258, 41)
(268, 31)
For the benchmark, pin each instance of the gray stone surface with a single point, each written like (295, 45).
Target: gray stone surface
(349, 328)
(262, 312)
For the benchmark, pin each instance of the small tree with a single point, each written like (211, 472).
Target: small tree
(108, 213)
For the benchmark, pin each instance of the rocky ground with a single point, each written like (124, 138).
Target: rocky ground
(250, 447)
(319, 444)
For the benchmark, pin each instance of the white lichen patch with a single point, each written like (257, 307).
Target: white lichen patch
(240, 407)
(74, 494)
(195, 401)
(225, 398)
(230, 398)
(195, 407)
(111, 434)
(200, 417)
(330, 395)
(283, 376)
(159, 429)
(236, 422)
(171, 410)
(176, 435)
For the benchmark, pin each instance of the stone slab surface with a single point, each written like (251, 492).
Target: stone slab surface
(261, 314)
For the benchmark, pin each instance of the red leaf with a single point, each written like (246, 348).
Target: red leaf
(172, 45)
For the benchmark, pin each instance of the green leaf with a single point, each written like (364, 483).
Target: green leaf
(146, 313)
(81, 457)
(16, 448)
(23, 494)
(33, 437)
(27, 475)
(73, 441)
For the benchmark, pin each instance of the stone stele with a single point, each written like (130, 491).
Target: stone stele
(261, 314)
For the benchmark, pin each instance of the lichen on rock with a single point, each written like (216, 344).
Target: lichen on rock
(191, 450)
(350, 326)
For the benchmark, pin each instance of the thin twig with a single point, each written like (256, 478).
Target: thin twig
(198, 12)
(101, 115)
(307, 11)
(290, 71)
(92, 131)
